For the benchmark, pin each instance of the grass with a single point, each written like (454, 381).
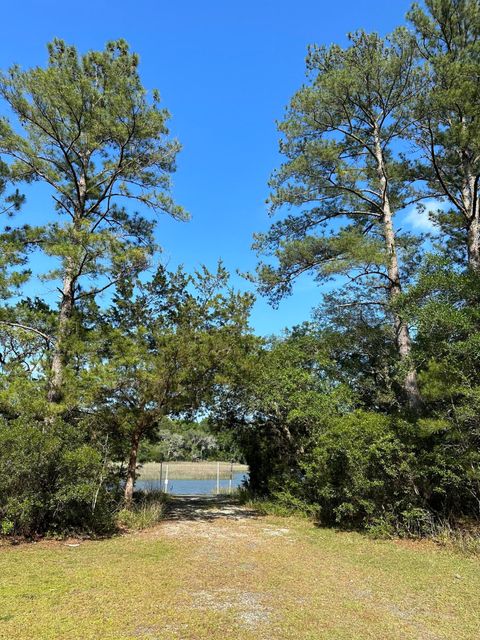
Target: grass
(150, 471)
(147, 511)
(464, 540)
(272, 507)
(224, 577)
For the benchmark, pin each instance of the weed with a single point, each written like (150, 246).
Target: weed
(146, 511)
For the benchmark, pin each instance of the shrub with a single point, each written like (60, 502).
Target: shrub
(383, 474)
(359, 471)
(51, 480)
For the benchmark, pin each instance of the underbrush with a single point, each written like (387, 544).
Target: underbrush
(418, 524)
(53, 481)
(281, 505)
(463, 540)
(147, 510)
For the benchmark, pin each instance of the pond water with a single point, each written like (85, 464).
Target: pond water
(192, 487)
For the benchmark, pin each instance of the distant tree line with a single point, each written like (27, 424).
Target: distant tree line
(189, 441)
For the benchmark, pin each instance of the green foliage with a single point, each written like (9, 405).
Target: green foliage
(157, 351)
(281, 396)
(340, 129)
(314, 444)
(321, 414)
(7, 527)
(347, 178)
(89, 116)
(52, 480)
(447, 123)
(357, 469)
(13, 242)
(163, 352)
(90, 132)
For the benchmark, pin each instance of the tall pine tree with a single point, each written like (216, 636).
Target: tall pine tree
(90, 132)
(341, 140)
(447, 127)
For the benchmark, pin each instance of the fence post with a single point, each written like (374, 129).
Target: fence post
(231, 479)
(218, 478)
(166, 479)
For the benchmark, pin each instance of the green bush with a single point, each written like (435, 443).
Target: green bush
(51, 480)
(359, 471)
(380, 473)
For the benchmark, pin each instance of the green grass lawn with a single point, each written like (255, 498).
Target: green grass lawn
(231, 575)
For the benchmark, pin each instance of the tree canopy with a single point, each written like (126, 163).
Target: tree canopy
(90, 132)
(365, 415)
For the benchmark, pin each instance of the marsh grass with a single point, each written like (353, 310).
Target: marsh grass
(150, 471)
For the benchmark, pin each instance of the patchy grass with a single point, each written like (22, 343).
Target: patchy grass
(223, 572)
(189, 470)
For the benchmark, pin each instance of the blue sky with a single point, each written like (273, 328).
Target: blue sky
(225, 71)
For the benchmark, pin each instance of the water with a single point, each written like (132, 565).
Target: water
(192, 487)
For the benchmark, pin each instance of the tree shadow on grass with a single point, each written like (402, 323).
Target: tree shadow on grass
(207, 509)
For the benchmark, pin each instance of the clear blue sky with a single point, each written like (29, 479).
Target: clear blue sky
(225, 71)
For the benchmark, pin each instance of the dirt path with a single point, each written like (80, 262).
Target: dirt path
(227, 573)
(214, 570)
(206, 509)
(283, 578)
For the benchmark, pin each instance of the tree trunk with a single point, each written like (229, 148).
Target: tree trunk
(55, 391)
(474, 243)
(132, 466)
(402, 334)
(471, 205)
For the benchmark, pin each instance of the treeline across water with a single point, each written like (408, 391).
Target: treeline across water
(179, 440)
(366, 415)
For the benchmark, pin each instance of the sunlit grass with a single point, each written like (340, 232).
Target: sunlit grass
(267, 578)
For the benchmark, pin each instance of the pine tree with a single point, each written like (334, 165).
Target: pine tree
(341, 138)
(90, 132)
(447, 128)
(13, 242)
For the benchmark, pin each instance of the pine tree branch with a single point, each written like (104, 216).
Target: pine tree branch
(19, 325)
